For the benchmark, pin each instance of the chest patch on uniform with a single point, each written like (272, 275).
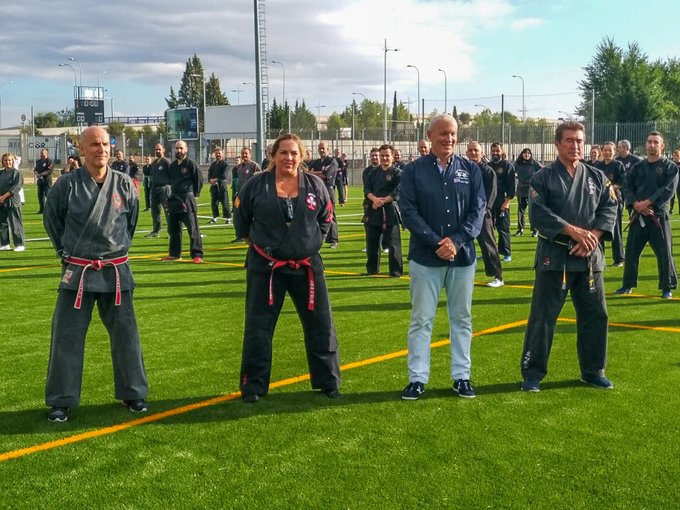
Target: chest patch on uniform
(311, 202)
(68, 274)
(591, 186)
(461, 176)
(117, 202)
(547, 261)
(185, 170)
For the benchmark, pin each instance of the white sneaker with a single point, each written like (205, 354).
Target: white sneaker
(4, 248)
(20, 248)
(495, 283)
(386, 250)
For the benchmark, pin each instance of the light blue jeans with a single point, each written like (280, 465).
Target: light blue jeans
(426, 285)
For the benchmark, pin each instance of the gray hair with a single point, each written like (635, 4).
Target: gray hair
(625, 143)
(441, 117)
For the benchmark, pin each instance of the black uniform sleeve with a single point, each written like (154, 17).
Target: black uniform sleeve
(243, 212)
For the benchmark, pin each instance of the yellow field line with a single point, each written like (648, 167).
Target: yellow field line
(217, 400)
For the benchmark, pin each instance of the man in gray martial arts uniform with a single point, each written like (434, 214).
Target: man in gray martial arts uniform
(90, 216)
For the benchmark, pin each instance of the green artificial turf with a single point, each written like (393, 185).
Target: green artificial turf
(569, 446)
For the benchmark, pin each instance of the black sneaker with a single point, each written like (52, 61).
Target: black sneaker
(531, 385)
(599, 381)
(58, 414)
(136, 406)
(413, 391)
(464, 388)
(332, 393)
(250, 398)
(623, 290)
(152, 234)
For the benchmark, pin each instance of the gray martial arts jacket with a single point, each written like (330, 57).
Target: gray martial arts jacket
(556, 200)
(89, 222)
(11, 180)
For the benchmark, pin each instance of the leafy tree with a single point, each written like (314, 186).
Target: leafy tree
(335, 122)
(116, 128)
(213, 93)
(46, 120)
(172, 101)
(302, 118)
(67, 117)
(628, 88)
(465, 118)
(131, 139)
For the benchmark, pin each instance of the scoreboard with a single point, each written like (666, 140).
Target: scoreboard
(89, 111)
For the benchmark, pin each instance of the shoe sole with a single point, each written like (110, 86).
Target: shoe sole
(596, 385)
(530, 390)
(463, 396)
(403, 397)
(57, 420)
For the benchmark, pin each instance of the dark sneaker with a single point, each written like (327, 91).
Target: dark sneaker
(250, 398)
(136, 406)
(519, 233)
(531, 385)
(507, 258)
(332, 393)
(212, 221)
(152, 234)
(623, 290)
(413, 391)
(666, 294)
(599, 381)
(58, 414)
(464, 388)
(618, 264)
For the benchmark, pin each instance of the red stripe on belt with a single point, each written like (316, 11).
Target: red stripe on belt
(294, 264)
(95, 265)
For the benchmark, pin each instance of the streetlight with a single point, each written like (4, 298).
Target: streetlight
(283, 68)
(417, 71)
(204, 98)
(354, 112)
(250, 83)
(101, 73)
(9, 82)
(75, 77)
(483, 106)
(80, 70)
(445, 88)
(238, 91)
(524, 111)
(385, 50)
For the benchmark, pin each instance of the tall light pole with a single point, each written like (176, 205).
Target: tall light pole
(354, 112)
(80, 70)
(483, 106)
(9, 82)
(445, 88)
(75, 77)
(283, 68)
(417, 71)
(524, 111)
(204, 100)
(385, 50)
(250, 83)
(238, 91)
(101, 73)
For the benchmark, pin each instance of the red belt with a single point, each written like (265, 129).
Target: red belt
(294, 264)
(95, 265)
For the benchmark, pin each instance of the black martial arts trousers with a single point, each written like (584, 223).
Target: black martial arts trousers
(43, 190)
(659, 238)
(487, 245)
(69, 328)
(377, 240)
(158, 200)
(591, 322)
(190, 220)
(332, 236)
(321, 342)
(220, 195)
(501, 220)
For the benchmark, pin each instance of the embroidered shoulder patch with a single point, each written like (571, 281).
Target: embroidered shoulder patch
(237, 202)
(117, 202)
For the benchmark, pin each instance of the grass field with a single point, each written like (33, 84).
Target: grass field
(569, 446)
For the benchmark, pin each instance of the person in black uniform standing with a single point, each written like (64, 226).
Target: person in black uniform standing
(325, 167)
(185, 186)
(487, 237)
(43, 178)
(160, 189)
(647, 190)
(146, 181)
(615, 172)
(120, 164)
(573, 207)
(625, 156)
(525, 167)
(218, 175)
(505, 192)
(341, 176)
(381, 189)
(284, 215)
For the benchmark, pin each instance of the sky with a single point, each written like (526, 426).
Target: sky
(137, 50)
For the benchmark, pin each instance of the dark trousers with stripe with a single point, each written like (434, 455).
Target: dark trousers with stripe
(321, 343)
(592, 321)
(659, 238)
(501, 220)
(487, 245)
(378, 240)
(219, 195)
(190, 220)
(67, 348)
